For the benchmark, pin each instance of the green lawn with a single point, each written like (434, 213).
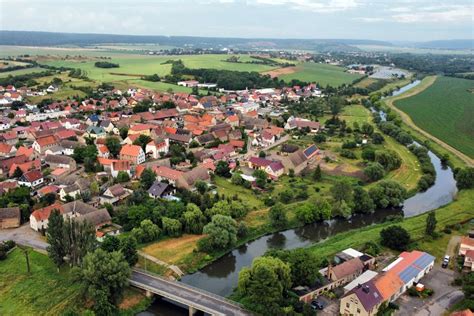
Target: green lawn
(43, 292)
(445, 110)
(21, 72)
(462, 209)
(324, 74)
(224, 186)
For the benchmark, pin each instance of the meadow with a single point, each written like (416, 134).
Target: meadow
(324, 74)
(445, 110)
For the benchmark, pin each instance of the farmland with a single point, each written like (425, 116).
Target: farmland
(445, 110)
(324, 74)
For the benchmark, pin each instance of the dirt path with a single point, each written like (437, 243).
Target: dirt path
(280, 71)
(161, 263)
(407, 119)
(451, 249)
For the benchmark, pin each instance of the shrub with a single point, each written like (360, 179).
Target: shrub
(395, 237)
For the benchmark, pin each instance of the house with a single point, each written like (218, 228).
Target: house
(68, 146)
(9, 217)
(160, 189)
(132, 153)
(405, 272)
(469, 260)
(346, 271)
(120, 165)
(107, 126)
(164, 173)
(467, 243)
(39, 218)
(43, 143)
(275, 169)
(7, 150)
(300, 123)
(93, 131)
(156, 148)
(71, 191)
(31, 178)
(258, 163)
(188, 179)
(114, 194)
(60, 161)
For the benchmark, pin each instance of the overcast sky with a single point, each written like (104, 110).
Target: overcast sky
(400, 20)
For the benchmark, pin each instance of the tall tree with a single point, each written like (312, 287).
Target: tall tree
(317, 175)
(128, 247)
(113, 145)
(221, 233)
(104, 276)
(431, 224)
(79, 239)
(277, 216)
(55, 238)
(147, 178)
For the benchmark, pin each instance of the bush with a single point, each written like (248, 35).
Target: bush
(348, 154)
(3, 255)
(395, 237)
(447, 230)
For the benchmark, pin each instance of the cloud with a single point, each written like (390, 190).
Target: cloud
(320, 6)
(442, 13)
(370, 19)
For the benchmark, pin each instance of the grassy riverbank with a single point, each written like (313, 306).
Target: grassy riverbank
(460, 210)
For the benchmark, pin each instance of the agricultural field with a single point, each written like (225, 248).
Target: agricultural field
(21, 72)
(324, 74)
(445, 110)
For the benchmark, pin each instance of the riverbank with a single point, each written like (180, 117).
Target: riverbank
(458, 211)
(457, 158)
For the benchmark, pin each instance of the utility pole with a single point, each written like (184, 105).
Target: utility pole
(27, 257)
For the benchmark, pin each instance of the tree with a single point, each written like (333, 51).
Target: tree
(342, 191)
(55, 238)
(146, 232)
(128, 247)
(17, 173)
(104, 276)
(368, 154)
(377, 138)
(465, 178)
(201, 186)
(430, 224)
(94, 188)
(277, 216)
(341, 208)
(374, 171)
(171, 227)
(264, 285)
(262, 154)
(260, 178)
(193, 219)
(363, 203)
(123, 132)
(221, 233)
(222, 169)
(388, 193)
(237, 178)
(110, 243)
(303, 265)
(367, 129)
(79, 239)
(395, 237)
(317, 175)
(122, 177)
(389, 159)
(147, 178)
(113, 145)
(142, 140)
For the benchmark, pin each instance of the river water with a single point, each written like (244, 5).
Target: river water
(221, 276)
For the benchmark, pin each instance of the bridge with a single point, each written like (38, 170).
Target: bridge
(196, 299)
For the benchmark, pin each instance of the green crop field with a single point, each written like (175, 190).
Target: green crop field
(21, 72)
(445, 110)
(324, 74)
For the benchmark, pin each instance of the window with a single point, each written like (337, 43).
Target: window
(347, 305)
(358, 311)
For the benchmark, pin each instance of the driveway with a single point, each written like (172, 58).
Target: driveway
(445, 295)
(24, 235)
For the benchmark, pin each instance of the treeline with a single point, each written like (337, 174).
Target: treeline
(227, 79)
(258, 60)
(26, 79)
(106, 64)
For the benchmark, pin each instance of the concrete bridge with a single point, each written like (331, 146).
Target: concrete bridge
(196, 299)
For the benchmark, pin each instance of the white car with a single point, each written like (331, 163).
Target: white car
(445, 262)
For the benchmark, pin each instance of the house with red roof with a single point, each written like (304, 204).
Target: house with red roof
(7, 150)
(44, 143)
(32, 178)
(132, 153)
(117, 166)
(158, 147)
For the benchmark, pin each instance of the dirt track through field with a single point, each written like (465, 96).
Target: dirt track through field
(280, 71)
(407, 120)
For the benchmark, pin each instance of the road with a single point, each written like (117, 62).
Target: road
(24, 235)
(184, 293)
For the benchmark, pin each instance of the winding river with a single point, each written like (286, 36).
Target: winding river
(221, 276)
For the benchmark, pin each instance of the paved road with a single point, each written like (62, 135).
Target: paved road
(24, 235)
(186, 293)
(445, 295)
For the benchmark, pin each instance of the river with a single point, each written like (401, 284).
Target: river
(221, 276)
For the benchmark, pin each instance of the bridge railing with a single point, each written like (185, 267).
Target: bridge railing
(192, 288)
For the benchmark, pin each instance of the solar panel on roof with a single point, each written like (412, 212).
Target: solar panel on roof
(408, 274)
(424, 261)
(310, 150)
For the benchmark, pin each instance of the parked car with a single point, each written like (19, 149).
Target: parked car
(445, 262)
(317, 305)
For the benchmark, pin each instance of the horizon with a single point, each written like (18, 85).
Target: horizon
(405, 21)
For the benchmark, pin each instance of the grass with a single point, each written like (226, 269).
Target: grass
(21, 72)
(323, 74)
(172, 251)
(225, 187)
(43, 292)
(445, 110)
(460, 210)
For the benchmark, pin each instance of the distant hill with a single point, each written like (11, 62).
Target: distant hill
(447, 44)
(27, 38)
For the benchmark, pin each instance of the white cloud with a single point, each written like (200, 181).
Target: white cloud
(370, 19)
(320, 6)
(441, 13)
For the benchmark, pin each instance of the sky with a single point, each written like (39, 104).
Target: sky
(392, 20)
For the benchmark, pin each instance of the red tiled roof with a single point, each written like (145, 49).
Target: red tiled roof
(43, 213)
(130, 150)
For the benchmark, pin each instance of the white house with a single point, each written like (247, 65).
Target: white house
(31, 179)
(154, 148)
